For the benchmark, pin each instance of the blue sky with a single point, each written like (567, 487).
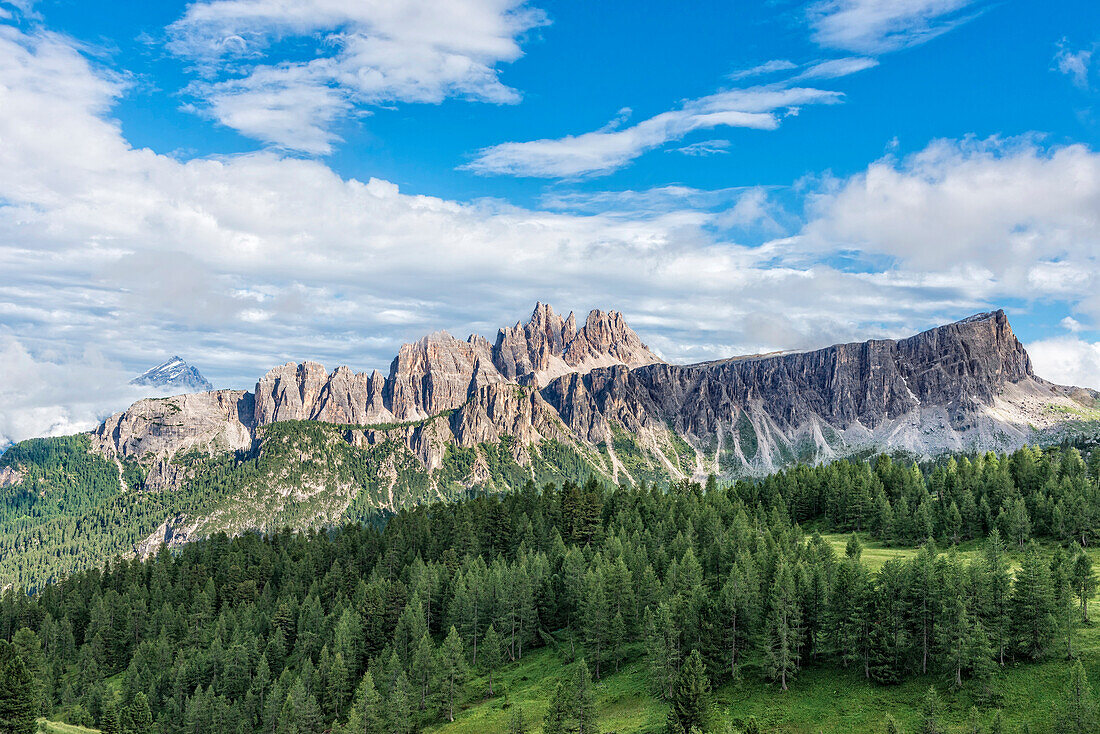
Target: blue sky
(246, 182)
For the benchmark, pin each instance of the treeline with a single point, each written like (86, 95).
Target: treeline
(379, 630)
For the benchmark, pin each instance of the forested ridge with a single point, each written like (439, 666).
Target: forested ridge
(383, 628)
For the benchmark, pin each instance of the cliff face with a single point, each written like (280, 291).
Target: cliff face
(954, 373)
(550, 400)
(964, 385)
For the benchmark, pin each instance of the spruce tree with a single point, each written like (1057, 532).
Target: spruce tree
(17, 694)
(491, 654)
(1084, 578)
(1033, 604)
(1078, 715)
(930, 713)
(141, 718)
(366, 715)
(690, 705)
(783, 626)
(452, 669)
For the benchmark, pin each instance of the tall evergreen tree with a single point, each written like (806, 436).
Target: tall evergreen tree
(17, 694)
(452, 670)
(1078, 715)
(366, 715)
(1033, 604)
(690, 707)
(491, 654)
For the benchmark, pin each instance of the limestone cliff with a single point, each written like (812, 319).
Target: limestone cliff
(966, 385)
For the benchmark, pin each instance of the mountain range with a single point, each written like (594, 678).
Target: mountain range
(550, 400)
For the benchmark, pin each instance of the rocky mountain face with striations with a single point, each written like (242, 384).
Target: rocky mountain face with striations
(548, 400)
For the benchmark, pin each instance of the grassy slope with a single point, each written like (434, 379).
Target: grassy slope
(57, 727)
(820, 701)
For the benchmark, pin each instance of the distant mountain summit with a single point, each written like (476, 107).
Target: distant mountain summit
(175, 374)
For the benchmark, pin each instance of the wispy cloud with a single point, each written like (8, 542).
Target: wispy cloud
(836, 68)
(603, 151)
(877, 26)
(1074, 64)
(365, 54)
(768, 67)
(704, 148)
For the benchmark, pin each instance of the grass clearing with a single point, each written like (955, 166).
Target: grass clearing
(57, 727)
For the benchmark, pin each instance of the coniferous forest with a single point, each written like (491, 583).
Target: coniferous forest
(404, 624)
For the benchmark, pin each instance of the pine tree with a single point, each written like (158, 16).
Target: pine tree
(1033, 604)
(366, 715)
(1084, 578)
(110, 721)
(783, 626)
(491, 654)
(399, 708)
(572, 709)
(662, 649)
(997, 596)
(300, 713)
(423, 667)
(930, 713)
(690, 705)
(452, 668)
(17, 694)
(141, 718)
(595, 618)
(1078, 715)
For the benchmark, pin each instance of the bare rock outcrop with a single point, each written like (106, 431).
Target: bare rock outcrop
(548, 346)
(162, 427)
(437, 373)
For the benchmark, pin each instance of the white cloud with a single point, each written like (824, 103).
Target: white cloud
(366, 54)
(768, 67)
(704, 148)
(835, 68)
(116, 257)
(1067, 360)
(1030, 216)
(1071, 324)
(606, 150)
(56, 396)
(877, 26)
(1074, 64)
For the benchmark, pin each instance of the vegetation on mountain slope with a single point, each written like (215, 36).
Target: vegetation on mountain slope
(70, 511)
(704, 602)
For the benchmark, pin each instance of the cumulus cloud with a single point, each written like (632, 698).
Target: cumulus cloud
(1067, 360)
(877, 26)
(364, 54)
(115, 256)
(1029, 216)
(606, 150)
(57, 395)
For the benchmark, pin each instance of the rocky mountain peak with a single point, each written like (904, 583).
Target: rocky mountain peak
(548, 346)
(174, 374)
(606, 340)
